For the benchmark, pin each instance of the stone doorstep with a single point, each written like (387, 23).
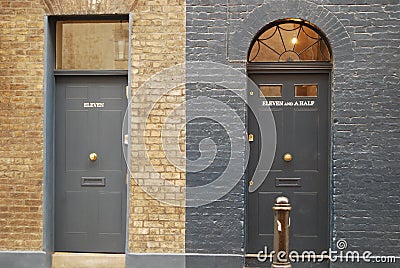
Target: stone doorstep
(88, 260)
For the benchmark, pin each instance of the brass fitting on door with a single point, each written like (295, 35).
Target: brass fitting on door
(93, 157)
(288, 157)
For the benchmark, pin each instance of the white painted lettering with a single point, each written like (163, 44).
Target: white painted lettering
(93, 105)
(301, 103)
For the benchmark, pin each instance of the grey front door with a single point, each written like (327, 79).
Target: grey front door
(300, 104)
(90, 171)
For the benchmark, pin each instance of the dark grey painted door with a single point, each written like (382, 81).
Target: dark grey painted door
(300, 106)
(90, 194)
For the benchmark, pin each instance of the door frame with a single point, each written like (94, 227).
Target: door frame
(298, 68)
(49, 88)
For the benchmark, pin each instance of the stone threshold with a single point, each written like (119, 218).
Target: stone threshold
(87, 260)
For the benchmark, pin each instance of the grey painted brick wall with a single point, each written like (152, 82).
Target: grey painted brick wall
(365, 37)
(215, 227)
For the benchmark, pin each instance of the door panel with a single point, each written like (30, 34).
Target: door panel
(302, 124)
(305, 209)
(278, 117)
(110, 202)
(306, 135)
(77, 140)
(109, 129)
(76, 92)
(90, 199)
(76, 210)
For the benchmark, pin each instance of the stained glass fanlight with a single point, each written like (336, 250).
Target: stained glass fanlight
(290, 41)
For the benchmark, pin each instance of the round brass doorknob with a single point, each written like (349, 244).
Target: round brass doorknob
(93, 157)
(287, 157)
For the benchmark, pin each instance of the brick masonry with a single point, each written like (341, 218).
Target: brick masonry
(21, 139)
(158, 42)
(365, 39)
(157, 222)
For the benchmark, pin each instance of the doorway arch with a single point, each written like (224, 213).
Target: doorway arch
(274, 10)
(290, 60)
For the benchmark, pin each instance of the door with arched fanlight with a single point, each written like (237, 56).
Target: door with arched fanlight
(290, 61)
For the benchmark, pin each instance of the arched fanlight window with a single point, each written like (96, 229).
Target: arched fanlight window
(289, 41)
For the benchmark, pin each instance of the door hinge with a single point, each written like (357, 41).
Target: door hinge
(127, 178)
(127, 91)
(126, 139)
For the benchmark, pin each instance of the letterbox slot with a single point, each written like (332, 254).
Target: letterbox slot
(93, 181)
(288, 182)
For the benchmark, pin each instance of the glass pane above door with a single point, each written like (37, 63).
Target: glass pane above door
(92, 45)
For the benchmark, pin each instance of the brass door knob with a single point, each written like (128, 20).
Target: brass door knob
(93, 157)
(287, 157)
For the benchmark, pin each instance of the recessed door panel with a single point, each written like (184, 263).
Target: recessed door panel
(109, 214)
(76, 92)
(305, 213)
(76, 212)
(76, 140)
(108, 93)
(305, 137)
(110, 130)
(279, 123)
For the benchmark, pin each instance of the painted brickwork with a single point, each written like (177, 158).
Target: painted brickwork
(365, 39)
(158, 42)
(217, 227)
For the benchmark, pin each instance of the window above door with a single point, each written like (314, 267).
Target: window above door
(290, 40)
(92, 45)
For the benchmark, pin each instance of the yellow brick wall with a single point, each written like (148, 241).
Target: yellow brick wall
(158, 43)
(157, 215)
(21, 138)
